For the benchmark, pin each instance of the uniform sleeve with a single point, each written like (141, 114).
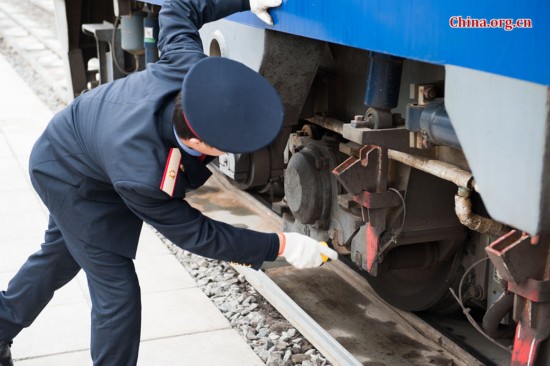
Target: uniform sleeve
(180, 21)
(189, 229)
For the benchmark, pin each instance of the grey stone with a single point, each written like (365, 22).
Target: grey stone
(299, 358)
(250, 335)
(281, 345)
(273, 360)
(263, 332)
(287, 357)
(264, 354)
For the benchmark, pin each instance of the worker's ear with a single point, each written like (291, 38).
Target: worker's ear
(194, 142)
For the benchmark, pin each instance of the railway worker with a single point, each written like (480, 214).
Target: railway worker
(125, 153)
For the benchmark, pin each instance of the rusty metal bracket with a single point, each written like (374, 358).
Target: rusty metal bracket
(533, 290)
(377, 199)
(365, 173)
(515, 258)
(525, 264)
(533, 328)
(366, 179)
(391, 138)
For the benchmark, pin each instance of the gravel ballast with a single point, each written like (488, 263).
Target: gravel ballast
(269, 334)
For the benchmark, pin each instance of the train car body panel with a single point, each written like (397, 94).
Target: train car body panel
(429, 30)
(502, 124)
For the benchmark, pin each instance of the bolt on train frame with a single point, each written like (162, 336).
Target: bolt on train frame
(416, 139)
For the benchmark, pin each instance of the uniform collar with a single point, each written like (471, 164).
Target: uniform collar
(169, 134)
(166, 124)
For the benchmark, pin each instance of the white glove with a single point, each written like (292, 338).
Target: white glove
(304, 252)
(259, 7)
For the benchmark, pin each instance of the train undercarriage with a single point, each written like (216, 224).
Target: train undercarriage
(369, 161)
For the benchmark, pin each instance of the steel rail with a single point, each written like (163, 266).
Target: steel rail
(310, 329)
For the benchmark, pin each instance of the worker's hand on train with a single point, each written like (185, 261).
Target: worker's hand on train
(259, 7)
(304, 252)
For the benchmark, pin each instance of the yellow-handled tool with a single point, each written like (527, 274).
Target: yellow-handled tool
(324, 257)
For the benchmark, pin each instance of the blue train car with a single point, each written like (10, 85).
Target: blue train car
(416, 139)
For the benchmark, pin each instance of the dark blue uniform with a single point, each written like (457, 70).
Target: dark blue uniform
(98, 167)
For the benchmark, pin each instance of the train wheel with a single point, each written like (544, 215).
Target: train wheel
(419, 289)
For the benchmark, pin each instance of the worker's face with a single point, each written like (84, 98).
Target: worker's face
(202, 147)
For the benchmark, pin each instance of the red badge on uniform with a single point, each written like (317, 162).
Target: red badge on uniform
(170, 176)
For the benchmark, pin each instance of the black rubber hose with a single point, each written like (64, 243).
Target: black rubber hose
(496, 312)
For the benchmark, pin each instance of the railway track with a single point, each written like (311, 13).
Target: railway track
(30, 41)
(333, 306)
(340, 314)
